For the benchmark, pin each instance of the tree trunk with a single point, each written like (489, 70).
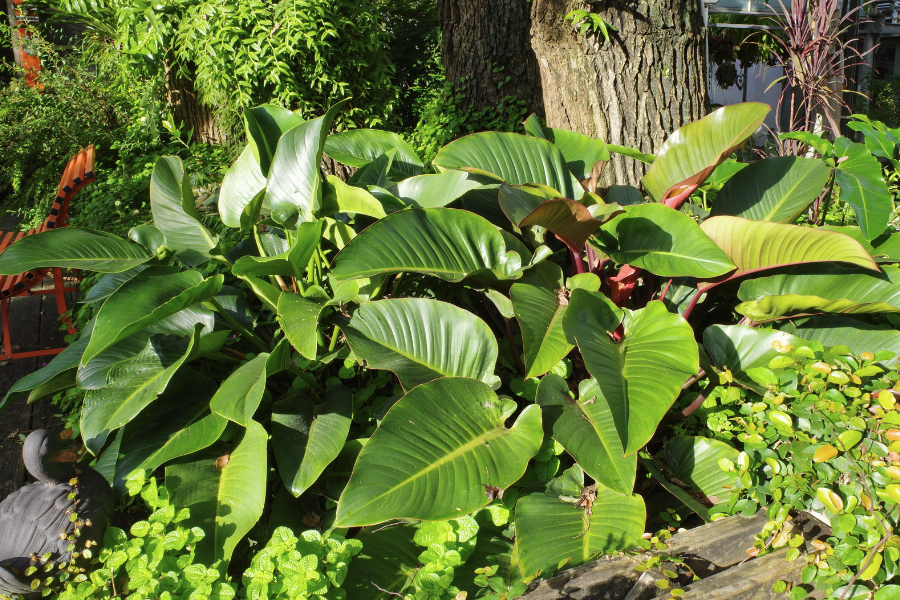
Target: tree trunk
(187, 109)
(484, 43)
(633, 90)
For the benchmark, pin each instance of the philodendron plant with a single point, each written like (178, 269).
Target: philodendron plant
(537, 329)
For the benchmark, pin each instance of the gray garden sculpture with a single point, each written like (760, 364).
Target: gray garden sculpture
(36, 520)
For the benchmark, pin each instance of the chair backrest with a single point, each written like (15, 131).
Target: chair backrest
(78, 173)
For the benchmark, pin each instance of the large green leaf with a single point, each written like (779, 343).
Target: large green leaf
(307, 438)
(884, 249)
(225, 502)
(858, 336)
(695, 461)
(691, 154)
(432, 191)
(339, 197)
(107, 285)
(175, 212)
(758, 245)
(665, 242)
(299, 318)
(572, 222)
(292, 262)
(513, 158)
(359, 147)
(264, 126)
(243, 181)
(862, 186)
(179, 424)
(65, 361)
(147, 298)
(389, 559)
(828, 290)
(421, 340)
(434, 452)
(294, 184)
(72, 248)
(775, 189)
(551, 531)
(738, 348)
(580, 151)
(133, 385)
(539, 301)
(375, 173)
(239, 396)
(642, 375)
(519, 201)
(585, 427)
(451, 244)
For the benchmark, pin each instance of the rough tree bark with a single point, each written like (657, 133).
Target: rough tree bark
(486, 41)
(633, 90)
(186, 108)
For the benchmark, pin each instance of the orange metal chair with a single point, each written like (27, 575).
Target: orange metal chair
(78, 173)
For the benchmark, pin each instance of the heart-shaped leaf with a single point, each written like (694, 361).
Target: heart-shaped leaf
(691, 154)
(513, 158)
(695, 461)
(359, 147)
(758, 245)
(299, 318)
(306, 440)
(72, 248)
(175, 212)
(179, 424)
(448, 243)
(862, 186)
(829, 290)
(242, 183)
(147, 298)
(775, 189)
(434, 452)
(551, 531)
(665, 242)
(132, 385)
(585, 427)
(294, 184)
(641, 376)
(739, 348)
(225, 501)
(421, 340)
(539, 301)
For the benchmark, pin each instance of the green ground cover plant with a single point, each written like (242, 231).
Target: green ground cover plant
(476, 353)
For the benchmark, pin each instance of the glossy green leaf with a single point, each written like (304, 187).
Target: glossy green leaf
(72, 248)
(338, 197)
(360, 147)
(107, 285)
(775, 189)
(239, 396)
(642, 375)
(539, 301)
(829, 290)
(727, 169)
(148, 236)
(695, 461)
(884, 249)
(572, 222)
(175, 212)
(451, 244)
(294, 184)
(665, 242)
(758, 245)
(421, 340)
(225, 502)
(858, 336)
(307, 438)
(513, 158)
(551, 530)
(389, 559)
(376, 172)
(264, 126)
(132, 385)
(624, 195)
(580, 151)
(432, 191)
(179, 424)
(862, 186)
(147, 298)
(299, 318)
(519, 201)
(243, 181)
(585, 427)
(434, 452)
(691, 154)
(292, 263)
(65, 361)
(631, 153)
(739, 348)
